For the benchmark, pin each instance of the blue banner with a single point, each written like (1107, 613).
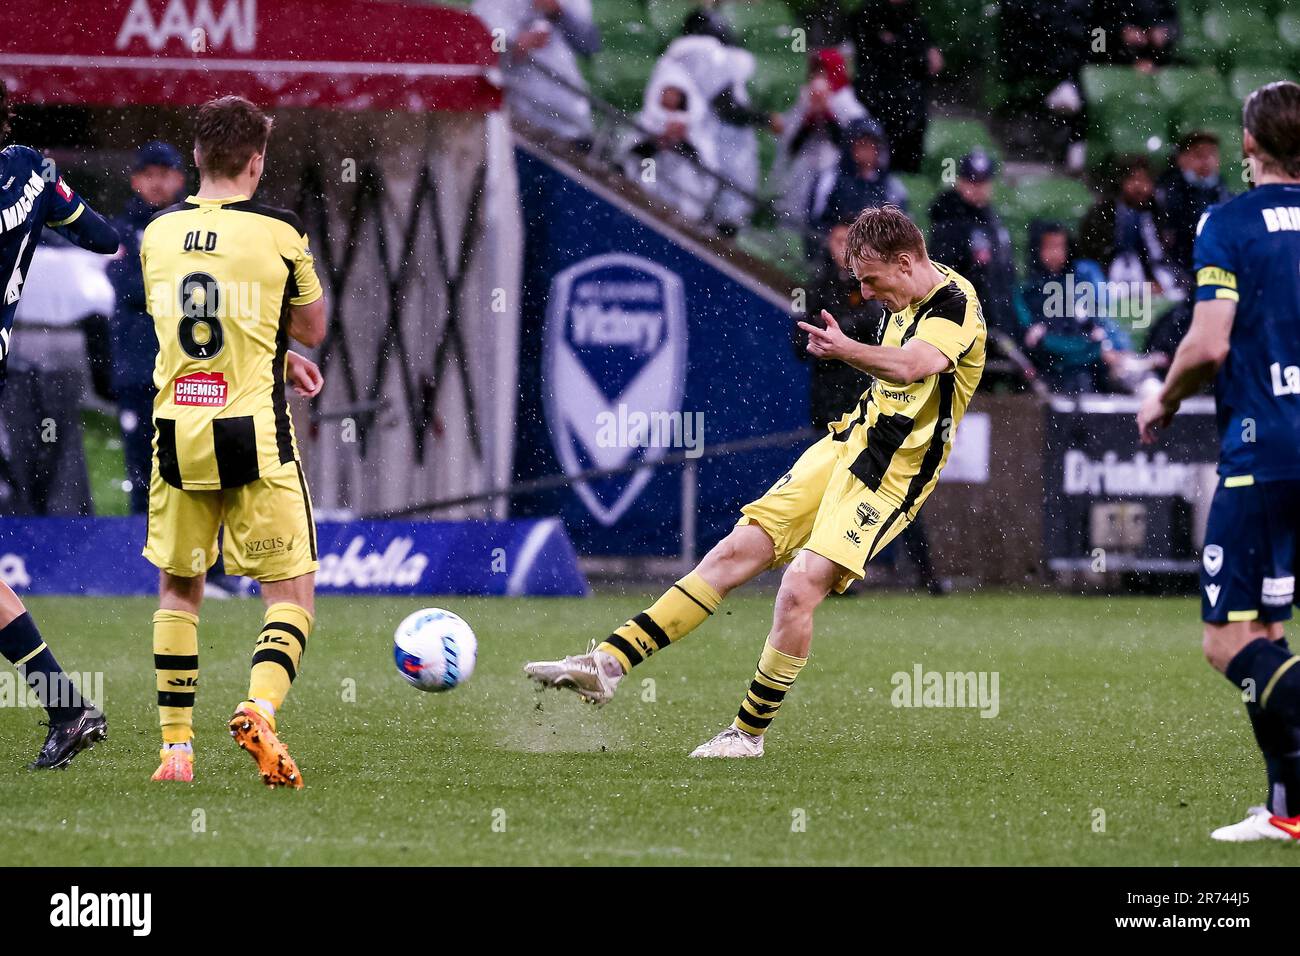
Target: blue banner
(635, 347)
(101, 556)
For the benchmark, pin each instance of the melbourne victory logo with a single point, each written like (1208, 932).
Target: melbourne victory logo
(614, 365)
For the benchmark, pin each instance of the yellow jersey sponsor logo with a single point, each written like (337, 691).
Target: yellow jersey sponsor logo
(200, 388)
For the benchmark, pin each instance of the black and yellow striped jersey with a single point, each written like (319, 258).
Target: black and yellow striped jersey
(906, 431)
(220, 276)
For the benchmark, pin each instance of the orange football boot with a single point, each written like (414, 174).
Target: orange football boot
(177, 764)
(255, 733)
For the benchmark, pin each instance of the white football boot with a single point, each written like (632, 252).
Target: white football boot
(593, 676)
(1258, 825)
(732, 742)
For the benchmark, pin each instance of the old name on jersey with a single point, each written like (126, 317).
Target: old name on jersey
(200, 388)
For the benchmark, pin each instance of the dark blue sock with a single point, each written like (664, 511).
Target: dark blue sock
(1270, 675)
(1279, 742)
(54, 689)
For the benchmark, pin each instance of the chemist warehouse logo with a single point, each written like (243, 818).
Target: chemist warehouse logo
(79, 909)
(615, 349)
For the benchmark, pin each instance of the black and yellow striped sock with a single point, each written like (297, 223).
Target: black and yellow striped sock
(176, 664)
(772, 681)
(277, 656)
(682, 608)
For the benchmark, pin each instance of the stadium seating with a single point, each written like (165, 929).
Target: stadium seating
(619, 78)
(1022, 200)
(1230, 28)
(1288, 29)
(952, 139)
(1247, 78)
(779, 247)
(667, 16)
(777, 80)
(1182, 87)
(754, 18)
(1111, 84)
(612, 13)
(921, 190)
(632, 38)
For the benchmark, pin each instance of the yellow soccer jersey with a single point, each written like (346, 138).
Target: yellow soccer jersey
(220, 276)
(907, 430)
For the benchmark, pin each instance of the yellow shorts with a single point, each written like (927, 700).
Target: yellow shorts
(822, 506)
(270, 535)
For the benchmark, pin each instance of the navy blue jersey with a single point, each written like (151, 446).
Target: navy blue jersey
(1248, 251)
(31, 198)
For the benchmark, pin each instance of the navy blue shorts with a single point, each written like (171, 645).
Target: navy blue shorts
(1248, 565)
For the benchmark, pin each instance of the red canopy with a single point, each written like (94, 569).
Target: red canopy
(332, 54)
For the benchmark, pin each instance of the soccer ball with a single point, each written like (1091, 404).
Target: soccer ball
(434, 649)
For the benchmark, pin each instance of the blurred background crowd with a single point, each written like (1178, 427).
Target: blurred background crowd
(1035, 142)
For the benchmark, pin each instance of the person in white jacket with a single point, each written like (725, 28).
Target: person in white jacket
(721, 72)
(666, 159)
(813, 134)
(541, 37)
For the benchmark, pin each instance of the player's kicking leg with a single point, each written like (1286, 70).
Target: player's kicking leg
(594, 676)
(805, 584)
(771, 530)
(276, 660)
(75, 725)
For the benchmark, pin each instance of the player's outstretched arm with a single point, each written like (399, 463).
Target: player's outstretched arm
(91, 231)
(1198, 359)
(911, 363)
(307, 323)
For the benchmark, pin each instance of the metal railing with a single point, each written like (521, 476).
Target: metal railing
(689, 460)
(605, 143)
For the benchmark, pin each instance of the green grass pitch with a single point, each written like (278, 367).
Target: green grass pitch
(1105, 707)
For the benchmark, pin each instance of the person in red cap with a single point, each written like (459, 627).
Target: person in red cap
(813, 132)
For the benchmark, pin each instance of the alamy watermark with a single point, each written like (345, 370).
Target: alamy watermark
(1102, 300)
(40, 689)
(923, 688)
(628, 429)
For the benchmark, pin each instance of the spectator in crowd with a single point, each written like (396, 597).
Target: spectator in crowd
(1141, 32)
(967, 234)
(813, 133)
(721, 70)
(1191, 185)
(1119, 232)
(861, 178)
(895, 62)
(666, 159)
(158, 181)
(544, 39)
(1070, 349)
(1044, 47)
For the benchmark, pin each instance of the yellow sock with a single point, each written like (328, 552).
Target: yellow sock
(683, 608)
(773, 679)
(176, 665)
(278, 653)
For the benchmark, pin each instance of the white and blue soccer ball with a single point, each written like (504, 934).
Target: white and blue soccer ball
(435, 650)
